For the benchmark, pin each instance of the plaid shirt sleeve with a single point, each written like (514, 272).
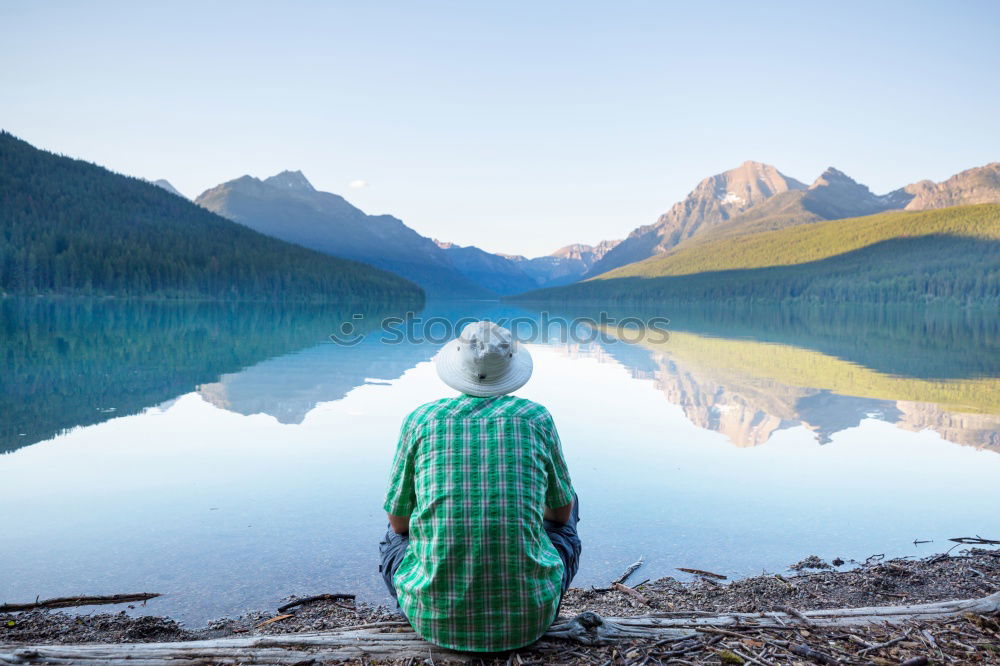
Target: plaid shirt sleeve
(401, 498)
(559, 491)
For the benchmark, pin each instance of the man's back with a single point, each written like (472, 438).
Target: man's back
(474, 475)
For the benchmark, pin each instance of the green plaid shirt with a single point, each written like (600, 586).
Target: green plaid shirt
(474, 475)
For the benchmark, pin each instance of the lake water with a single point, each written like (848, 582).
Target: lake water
(231, 455)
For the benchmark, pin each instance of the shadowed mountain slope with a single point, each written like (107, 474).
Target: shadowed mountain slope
(493, 271)
(286, 206)
(564, 266)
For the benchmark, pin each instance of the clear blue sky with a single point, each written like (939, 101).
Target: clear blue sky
(516, 126)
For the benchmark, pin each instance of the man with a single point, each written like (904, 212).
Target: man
(482, 540)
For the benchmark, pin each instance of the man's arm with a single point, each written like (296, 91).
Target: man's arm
(401, 524)
(401, 498)
(559, 515)
(559, 493)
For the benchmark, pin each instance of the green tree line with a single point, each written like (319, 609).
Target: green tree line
(70, 227)
(938, 268)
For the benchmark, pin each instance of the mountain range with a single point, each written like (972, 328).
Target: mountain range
(749, 199)
(566, 265)
(288, 207)
(756, 197)
(753, 218)
(754, 234)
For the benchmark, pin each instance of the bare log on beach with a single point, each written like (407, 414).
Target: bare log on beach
(316, 597)
(701, 572)
(395, 640)
(67, 602)
(648, 625)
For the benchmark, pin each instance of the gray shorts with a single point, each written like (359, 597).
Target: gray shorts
(564, 537)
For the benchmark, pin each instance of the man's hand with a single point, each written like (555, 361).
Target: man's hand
(401, 524)
(560, 514)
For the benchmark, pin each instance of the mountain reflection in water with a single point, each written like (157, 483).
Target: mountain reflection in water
(749, 390)
(743, 373)
(228, 455)
(744, 389)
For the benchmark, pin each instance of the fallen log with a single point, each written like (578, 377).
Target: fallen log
(701, 572)
(333, 596)
(831, 617)
(393, 640)
(67, 602)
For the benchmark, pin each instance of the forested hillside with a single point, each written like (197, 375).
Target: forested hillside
(952, 254)
(70, 227)
(821, 240)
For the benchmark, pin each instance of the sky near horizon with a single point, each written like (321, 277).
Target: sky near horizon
(519, 127)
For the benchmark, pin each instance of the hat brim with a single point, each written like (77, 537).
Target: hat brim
(516, 375)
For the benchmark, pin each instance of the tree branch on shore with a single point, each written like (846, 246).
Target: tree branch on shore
(67, 602)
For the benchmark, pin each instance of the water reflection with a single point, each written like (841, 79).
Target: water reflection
(230, 455)
(744, 372)
(290, 386)
(76, 363)
(748, 390)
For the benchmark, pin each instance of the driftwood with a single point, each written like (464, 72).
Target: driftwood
(631, 569)
(395, 640)
(977, 540)
(632, 592)
(832, 617)
(316, 597)
(66, 602)
(702, 572)
(794, 612)
(276, 618)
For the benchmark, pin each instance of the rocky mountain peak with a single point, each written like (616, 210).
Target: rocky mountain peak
(588, 254)
(972, 186)
(835, 178)
(291, 180)
(836, 195)
(715, 200)
(832, 175)
(736, 190)
(574, 251)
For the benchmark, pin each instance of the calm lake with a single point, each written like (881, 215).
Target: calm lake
(231, 455)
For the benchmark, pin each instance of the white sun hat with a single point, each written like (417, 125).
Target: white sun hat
(484, 360)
